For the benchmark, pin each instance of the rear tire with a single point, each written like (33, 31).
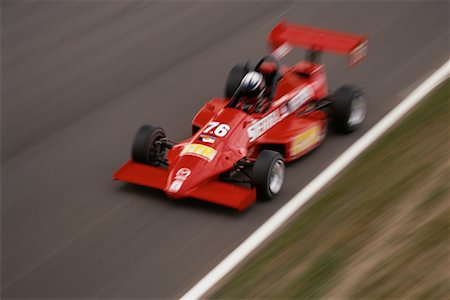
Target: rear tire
(349, 108)
(268, 174)
(234, 79)
(147, 148)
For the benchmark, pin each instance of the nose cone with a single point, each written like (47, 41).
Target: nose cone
(197, 163)
(188, 173)
(174, 188)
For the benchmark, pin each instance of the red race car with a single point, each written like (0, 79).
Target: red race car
(271, 114)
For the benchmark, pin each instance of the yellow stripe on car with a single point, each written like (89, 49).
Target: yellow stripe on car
(305, 140)
(200, 150)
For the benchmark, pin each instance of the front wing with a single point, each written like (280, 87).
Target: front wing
(217, 192)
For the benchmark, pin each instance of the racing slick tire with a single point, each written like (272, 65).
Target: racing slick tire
(234, 79)
(146, 149)
(268, 174)
(349, 108)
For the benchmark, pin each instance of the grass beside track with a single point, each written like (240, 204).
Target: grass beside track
(379, 231)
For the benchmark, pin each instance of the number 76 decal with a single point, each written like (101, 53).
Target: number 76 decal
(217, 129)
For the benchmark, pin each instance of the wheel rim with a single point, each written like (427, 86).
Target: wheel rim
(358, 111)
(276, 177)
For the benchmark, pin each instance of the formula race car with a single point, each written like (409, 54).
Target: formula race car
(271, 114)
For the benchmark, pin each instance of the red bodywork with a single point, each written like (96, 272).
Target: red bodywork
(224, 135)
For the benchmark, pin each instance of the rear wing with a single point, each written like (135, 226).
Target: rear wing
(285, 36)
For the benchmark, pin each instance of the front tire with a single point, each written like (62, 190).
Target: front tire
(349, 108)
(268, 174)
(147, 146)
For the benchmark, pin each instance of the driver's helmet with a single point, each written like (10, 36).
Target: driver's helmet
(252, 86)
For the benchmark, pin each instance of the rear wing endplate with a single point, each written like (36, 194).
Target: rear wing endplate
(285, 36)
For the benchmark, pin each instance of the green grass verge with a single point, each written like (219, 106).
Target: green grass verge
(381, 230)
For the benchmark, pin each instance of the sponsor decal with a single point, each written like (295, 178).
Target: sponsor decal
(199, 150)
(181, 175)
(284, 109)
(300, 99)
(217, 129)
(305, 140)
(207, 139)
(261, 126)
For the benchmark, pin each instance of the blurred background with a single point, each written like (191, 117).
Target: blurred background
(79, 77)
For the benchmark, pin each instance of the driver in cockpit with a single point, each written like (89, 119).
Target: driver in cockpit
(253, 93)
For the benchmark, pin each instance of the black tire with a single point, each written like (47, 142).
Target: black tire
(349, 108)
(266, 164)
(234, 79)
(145, 148)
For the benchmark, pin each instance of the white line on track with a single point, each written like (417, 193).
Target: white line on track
(293, 205)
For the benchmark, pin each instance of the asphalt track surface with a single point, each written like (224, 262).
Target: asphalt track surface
(79, 78)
